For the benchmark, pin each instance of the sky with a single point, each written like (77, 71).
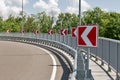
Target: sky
(54, 7)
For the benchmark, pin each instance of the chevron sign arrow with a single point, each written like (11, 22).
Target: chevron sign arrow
(64, 32)
(74, 32)
(87, 36)
(50, 32)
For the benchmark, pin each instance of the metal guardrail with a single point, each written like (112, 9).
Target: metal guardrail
(66, 43)
(56, 44)
(108, 51)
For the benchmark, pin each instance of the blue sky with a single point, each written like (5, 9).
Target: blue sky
(110, 5)
(54, 7)
(62, 4)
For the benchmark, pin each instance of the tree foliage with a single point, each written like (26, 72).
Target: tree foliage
(66, 20)
(108, 22)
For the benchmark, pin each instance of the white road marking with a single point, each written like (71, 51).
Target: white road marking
(53, 75)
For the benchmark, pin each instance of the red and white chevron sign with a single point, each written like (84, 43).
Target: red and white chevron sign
(22, 31)
(7, 31)
(64, 32)
(73, 32)
(50, 32)
(87, 36)
(36, 32)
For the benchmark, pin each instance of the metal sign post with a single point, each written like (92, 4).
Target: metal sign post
(88, 62)
(88, 57)
(87, 36)
(79, 12)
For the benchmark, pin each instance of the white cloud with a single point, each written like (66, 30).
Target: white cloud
(41, 4)
(51, 7)
(10, 7)
(74, 7)
(53, 2)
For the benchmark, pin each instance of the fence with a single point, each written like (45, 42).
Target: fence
(108, 50)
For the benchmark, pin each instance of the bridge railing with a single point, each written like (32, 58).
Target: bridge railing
(46, 40)
(108, 51)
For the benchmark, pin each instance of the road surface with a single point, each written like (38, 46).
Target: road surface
(20, 61)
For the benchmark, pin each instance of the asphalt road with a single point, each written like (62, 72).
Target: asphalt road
(19, 61)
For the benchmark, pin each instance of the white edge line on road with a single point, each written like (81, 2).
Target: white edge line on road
(53, 75)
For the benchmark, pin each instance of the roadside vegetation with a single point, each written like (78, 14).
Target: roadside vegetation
(108, 22)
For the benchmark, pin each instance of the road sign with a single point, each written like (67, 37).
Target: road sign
(64, 32)
(50, 31)
(7, 31)
(73, 32)
(22, 31)
(36, 32)
(87, 36)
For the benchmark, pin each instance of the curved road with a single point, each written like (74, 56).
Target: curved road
(19, 61)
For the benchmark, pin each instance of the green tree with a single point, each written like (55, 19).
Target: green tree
(12, 24)
(44, 22)
(29, 24)
(1, 24)
(113, 28)
(66, 20)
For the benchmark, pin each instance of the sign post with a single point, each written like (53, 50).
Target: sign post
(36, 32)
(22, 32)
(87, 37)
(50, 32)
(63, 32)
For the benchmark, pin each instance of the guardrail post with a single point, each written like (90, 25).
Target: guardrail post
(109, 69)
(102, 63)
(117, 75)
(96, 58)
(80, 67)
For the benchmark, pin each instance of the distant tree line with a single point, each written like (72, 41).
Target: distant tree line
(108, 22)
